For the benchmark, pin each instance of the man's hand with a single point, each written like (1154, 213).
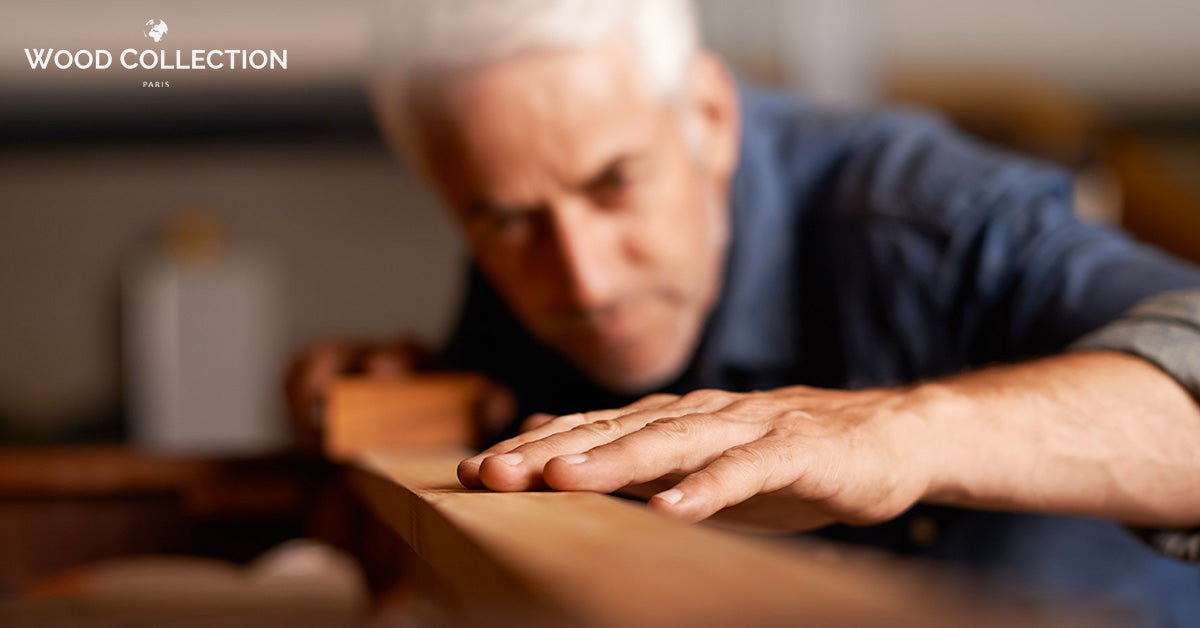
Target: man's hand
(812, 456)
(318, 366)
(1098, 434)
(314, 371)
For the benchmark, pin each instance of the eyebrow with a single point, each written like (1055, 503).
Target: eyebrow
(484, 206)
(608, 169)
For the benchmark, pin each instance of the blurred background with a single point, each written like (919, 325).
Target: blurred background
(164, 250)
(93, 167)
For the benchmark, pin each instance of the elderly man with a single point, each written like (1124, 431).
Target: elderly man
(794, 316)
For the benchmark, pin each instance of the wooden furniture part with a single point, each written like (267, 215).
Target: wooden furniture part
(428, 411)
(66, 505)
(582, 559)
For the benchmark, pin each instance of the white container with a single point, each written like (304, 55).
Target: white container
(202, 346)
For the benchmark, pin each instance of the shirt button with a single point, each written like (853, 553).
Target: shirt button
(922, 530)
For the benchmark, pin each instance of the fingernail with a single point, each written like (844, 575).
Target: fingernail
(574, 458)
(510, 459)
(671, 496)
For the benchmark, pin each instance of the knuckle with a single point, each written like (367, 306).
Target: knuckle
(746, 458)
(802, 423)
(753, 467)
(678, 427)
(672, 426)
(818, 481)
(603, 427)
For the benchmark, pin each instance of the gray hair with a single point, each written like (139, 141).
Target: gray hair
(420, 42)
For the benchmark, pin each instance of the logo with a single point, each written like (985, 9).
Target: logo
(214, 59)
(155, 29)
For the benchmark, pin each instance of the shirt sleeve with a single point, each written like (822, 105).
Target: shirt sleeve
(979, 258)
(1165, 331)
(976, 255)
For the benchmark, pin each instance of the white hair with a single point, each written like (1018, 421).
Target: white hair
(419, 43)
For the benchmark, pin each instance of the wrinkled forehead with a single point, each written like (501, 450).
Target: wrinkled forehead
(556, 114)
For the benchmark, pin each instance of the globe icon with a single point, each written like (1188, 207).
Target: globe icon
(155, 29)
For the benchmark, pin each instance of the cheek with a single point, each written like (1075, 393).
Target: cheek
(677, 226)
(530, 290)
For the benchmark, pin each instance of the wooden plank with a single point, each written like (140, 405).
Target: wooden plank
(96, 470)
(427, 411)
(581, 559)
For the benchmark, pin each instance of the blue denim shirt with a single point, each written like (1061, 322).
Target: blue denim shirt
(870, 249)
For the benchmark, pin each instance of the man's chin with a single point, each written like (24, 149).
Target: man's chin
(628, 379)
(633, 367)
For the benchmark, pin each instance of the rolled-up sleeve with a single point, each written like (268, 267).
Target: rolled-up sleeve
(1165, 331)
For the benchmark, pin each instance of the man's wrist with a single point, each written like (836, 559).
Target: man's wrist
(944, 449)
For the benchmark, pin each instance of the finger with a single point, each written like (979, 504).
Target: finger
(394, 360)
(741, 472)
(387, 364)
(535, 421)
(311, 376)
(567, 422)
(645, 490)
(680, 444)
(521, 468)
(306, 384)
(469, 468)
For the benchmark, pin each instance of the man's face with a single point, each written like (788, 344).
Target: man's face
(598, 219)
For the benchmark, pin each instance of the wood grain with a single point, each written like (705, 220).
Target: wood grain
(581, 559)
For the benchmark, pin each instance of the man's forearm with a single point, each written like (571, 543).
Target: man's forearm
(1096, 433)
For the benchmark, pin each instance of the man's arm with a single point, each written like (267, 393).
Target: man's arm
(1096, 433)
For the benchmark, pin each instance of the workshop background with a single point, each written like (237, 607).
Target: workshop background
(95, 169)
(165, 250)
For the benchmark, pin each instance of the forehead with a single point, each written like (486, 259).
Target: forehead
(554, 116)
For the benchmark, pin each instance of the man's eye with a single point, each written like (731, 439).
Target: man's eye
(610, 187)
(610, 179)
(511, 227)
(509, 220)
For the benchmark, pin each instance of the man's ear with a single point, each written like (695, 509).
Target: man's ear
(715, 110)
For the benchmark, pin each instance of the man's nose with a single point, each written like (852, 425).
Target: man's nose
(589, 246)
